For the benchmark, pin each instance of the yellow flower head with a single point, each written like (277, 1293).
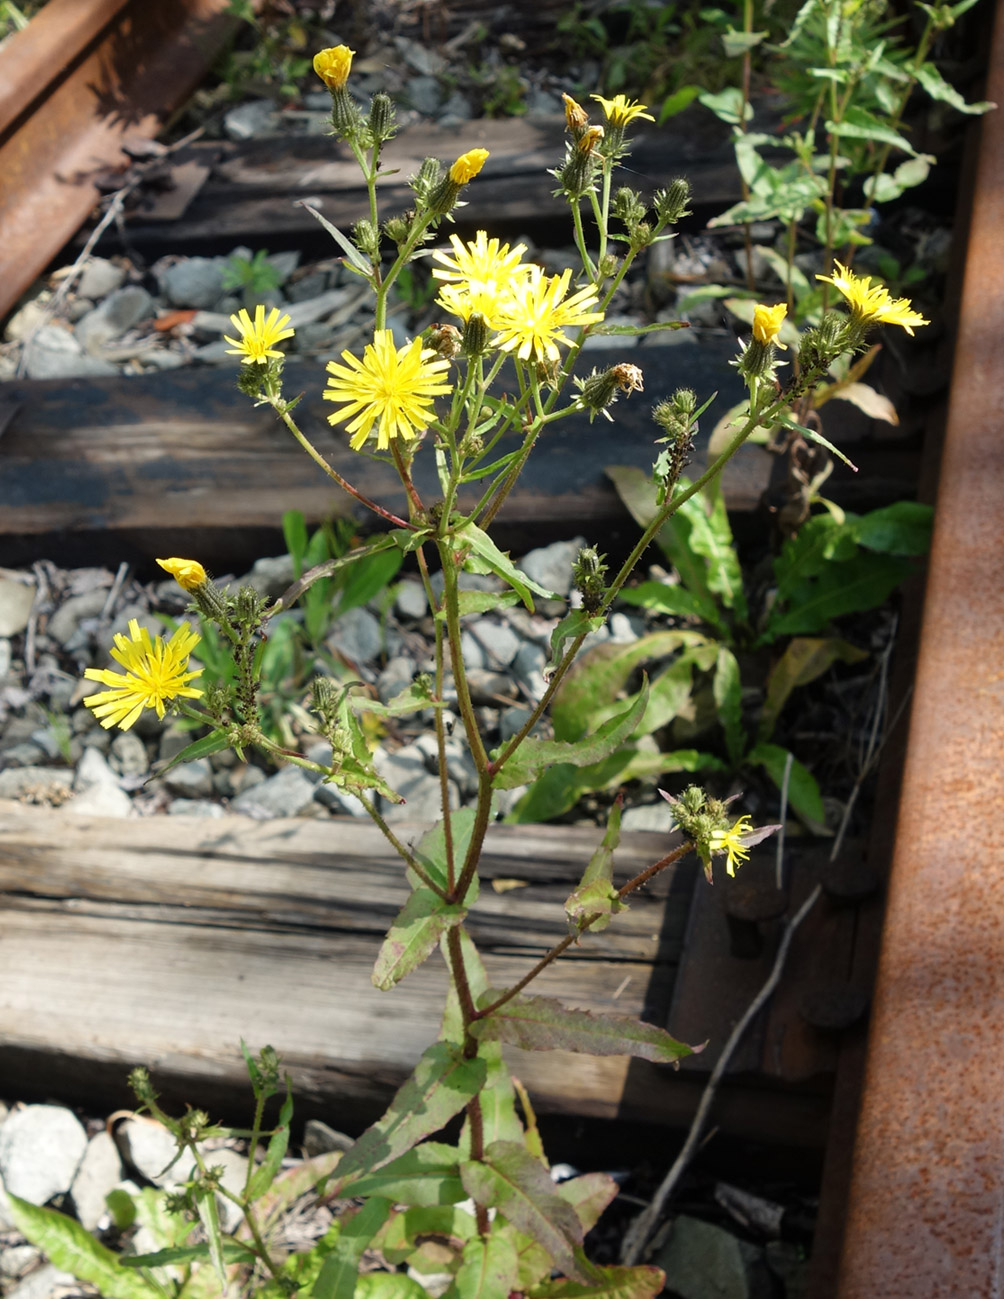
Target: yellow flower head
(333, 66)
(188, 573)
(468, 165)
(767, 323)
(394, 386)
(483, 262)
(619, 111)
(872, 304)
(155, 672)
(589, 138)
(473, 299)
(257, 342)
(731, 842)
(576, 116)
(531, 320)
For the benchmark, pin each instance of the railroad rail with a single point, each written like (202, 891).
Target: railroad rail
(79, 87)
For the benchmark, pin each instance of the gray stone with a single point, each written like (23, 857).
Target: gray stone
(15, 1260)
(320, 1139)
(410, 601)
(702, 1261)
(120, 311)
(257, 117)
(325, 304)
(194, 807)
(624, 629)
(500, 641)
(54, 353)
(99, 278)
(173, 739)
(41, 1147)
(420, 56)
(67, 618)
(285, 794)
(44, 1281)
(93, 769)
(149, 1148)
(6, 655)
(194, 282)
(528, 667)
(396, 676)
(45, 784)
(466, 582)
(100, 1171)
(490, 687)
(307, 287)
(285, 263)
(339, 801)
(191, 779)
(407, 774)
(471, 652)
(551, 566)
(164, 358)
(358, 635)
(16, 599)
(459, 763)
(129, 756)
(423, 94)
(26, 320)
(456, 110)
(649, 816)
(271, 576)
(541, 103)
(25, 754)
(101, 800)
(512, 720)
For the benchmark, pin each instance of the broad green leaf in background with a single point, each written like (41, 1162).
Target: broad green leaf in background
(938, 88)
(903, 528)
(181, 1255)
(727, 105)
(511, 1180)
(859, 124)
(611, 1283)
(72, 1248)
(729, 702)
(854, 586)
(338, 1276)
(543, 1024)
(413, 936)
(677, 102)
(209, 744)
(803, 791)
(398, 1240)
(388, 1285)
(589, 1195)
(474, 602)
(489, 1270)
(576, 623)
(209, 1215)
(804, 659)
(660, 597)
(671, 690)
(425, 1176)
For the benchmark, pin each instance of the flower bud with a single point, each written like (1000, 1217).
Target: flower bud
(671, 203)
(767, 323)
(588, 574)
(367, 238)
(396, 228)
(381, 122)
(188, 573)
(346, 119)
(577, 174)
(819, 347)
(333, 66)
(675, 416)
(445, 340)
(476, 332)
(576, 117)
(428, 179)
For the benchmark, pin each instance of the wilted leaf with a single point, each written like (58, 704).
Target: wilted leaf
(804, 659)
(595, 893)
(589, 1195)
(872, 403)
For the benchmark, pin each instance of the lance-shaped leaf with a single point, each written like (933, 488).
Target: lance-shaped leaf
(490, 1269)
(73, 1249)
(610, 1283)
(441, 1085)
(542, 1024)
(413, 936)
(469, 602)
(204, 748)
(415, 698)
(265, 1174)
(179, 1255)
(729, 702)
(589, 1195)
(534, 756)
(596, 894)
(511, 1180)
(337, 1278)
(496, 561)
(576, 623)
(425, 1176)
(431, 853)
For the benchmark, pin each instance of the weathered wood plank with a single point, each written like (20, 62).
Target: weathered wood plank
(122, 943)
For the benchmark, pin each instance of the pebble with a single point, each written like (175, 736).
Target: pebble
(41, 1147)
(288, 793)
(405, 771)
(320, 1139)
(194, 807)
(149, 1148)
(15, 1260)
(100, 1171)
(16, 600)
(99, 278)
(551, 566)
(270, 577)
(648, 816)
(358, 635)
(396, 676)
(191, 779)
(423, 94)
(247, 121)
(410, 601)
(64, 622)
(120, 311)
(39, 784)
(54, 353)
(128, 755)
(42, 1282)
(528, 669)
(499, 640)
(194, 282)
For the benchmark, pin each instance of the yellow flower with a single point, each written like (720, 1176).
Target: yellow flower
(468, 165)
(188, 573)
(589, 138)
(472, 298)
(394, 386)
(483, 262)
(872, 303)
(767, 323)
(531, 320)
(575, 115)
(333, 66)
(257, 341)
(155, 671)
(731, 842)
(619, 111)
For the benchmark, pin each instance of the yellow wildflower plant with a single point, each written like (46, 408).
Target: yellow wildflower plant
(482, 261)
(732, 842)
(473, 298)
(188, 573)
(576, 116)
(533, 318)
(620, 111)
(872, 303)
(333, 66)
(767, 323)
(258, 338)
(392, 388)
(468, 165)
(156, 671)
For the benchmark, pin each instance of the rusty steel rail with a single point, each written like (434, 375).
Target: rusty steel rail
(926, 1206)
(76, 85)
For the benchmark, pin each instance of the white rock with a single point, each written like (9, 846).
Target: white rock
(358, 635)
(193, 282)
(67, 618)
(411, 601)
(101, 800)
(500, 641)
(93, 770)
(16, 1259)
(99, 278)
(191, 779)
(128, 755)
(285, 794)
(41, 782)
(41, 1147)
(149, 1148)
(100, 1172)
(16, 599)
(271, 576)
(194, 807)
(43, 1282)
(120, 311)
(650, 816)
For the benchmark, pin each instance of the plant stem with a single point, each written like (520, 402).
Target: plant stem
(407, 857)
(475, 1119)
(444, 781)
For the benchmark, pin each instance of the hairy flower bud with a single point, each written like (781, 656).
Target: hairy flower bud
(577, 173)
(588, 574)
(476, 332)
(675, 416)
(367, 238)
(671, 203)
(381, 123)
(396, 228)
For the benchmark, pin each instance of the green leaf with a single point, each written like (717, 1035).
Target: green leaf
(727, 105)
(412, 699)
(388, 1285)
(858, 584)
(440, 1086)
(938, 88)
(413, 936)
(803, 660)
(345, 244)
(489, 1270)
(469, 602)
(903, 528)
(179, 1255)
(576, 623)
(735, 43)
(729, 702)
(659, 597)
(73, 1249)
(215, 742)
(425, 1176)
(671, 690)
(366, 577)
(501, 565)
(294, 533)
(399, 1241)
(633, 331)
(677, 102)
(264, 1175)
(595, 893)
(543, 1024)
(337, 1278)
(534, 755)
(859, 124)
(611, 1283)
(431, 853)
(512, 1181)
(209, 1216)
(813, 435)
(589, 1195)
(803, 791)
